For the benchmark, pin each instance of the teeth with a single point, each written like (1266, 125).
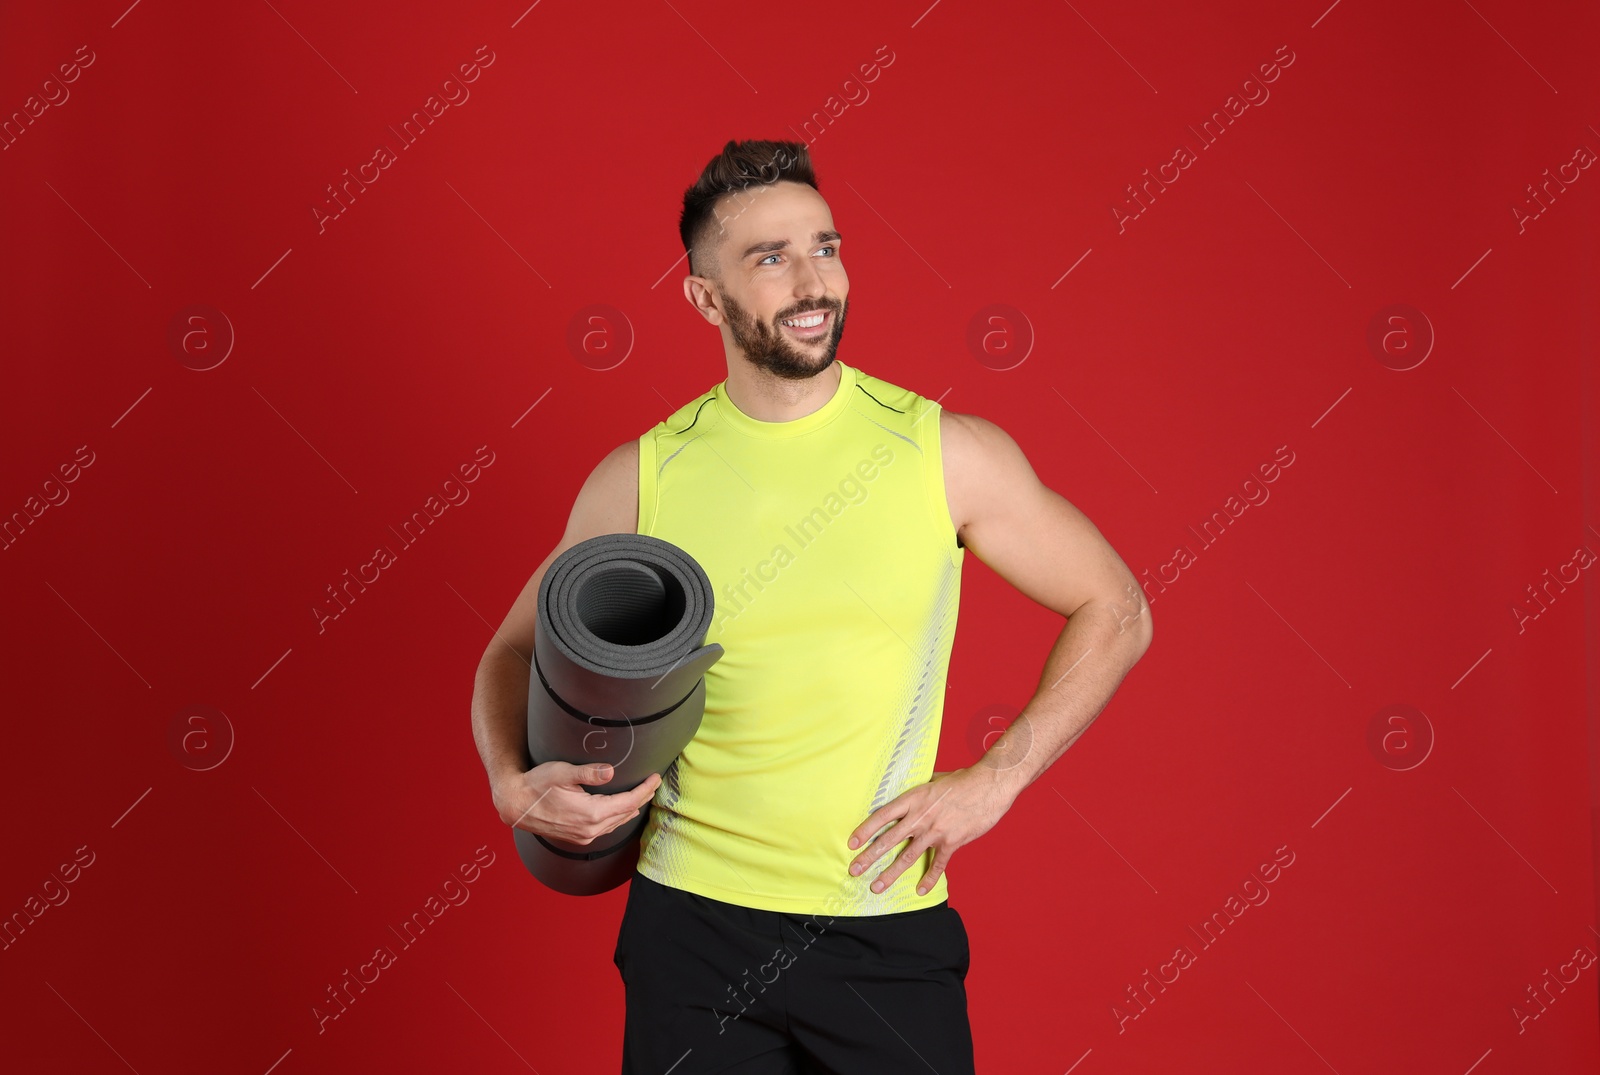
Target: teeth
(809, 321)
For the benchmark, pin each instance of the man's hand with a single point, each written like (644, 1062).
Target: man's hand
(949, 811)
(548, 800)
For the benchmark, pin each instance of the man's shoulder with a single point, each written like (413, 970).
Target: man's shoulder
(623, 458)
(888, 394)
(982, 463)
(971, 436)
(684, 417)
(618, 472)
(962, 436)
(607, 502)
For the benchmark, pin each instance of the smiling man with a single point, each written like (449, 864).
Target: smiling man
(790, 910)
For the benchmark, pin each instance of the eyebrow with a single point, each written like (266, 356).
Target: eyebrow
(773, 245)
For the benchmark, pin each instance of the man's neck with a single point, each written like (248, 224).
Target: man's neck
(768, 398)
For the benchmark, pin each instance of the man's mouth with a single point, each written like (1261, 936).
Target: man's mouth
(810, 325)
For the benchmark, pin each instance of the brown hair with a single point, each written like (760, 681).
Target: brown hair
(739, 166)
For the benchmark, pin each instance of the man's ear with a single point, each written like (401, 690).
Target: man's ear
(701, 294)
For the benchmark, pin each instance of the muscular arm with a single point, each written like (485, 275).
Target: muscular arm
(607, 504)
(1050, 551)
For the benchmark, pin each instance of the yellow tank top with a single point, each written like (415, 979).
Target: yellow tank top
(836, 578)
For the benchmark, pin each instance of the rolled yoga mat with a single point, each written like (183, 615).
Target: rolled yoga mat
(619, 665)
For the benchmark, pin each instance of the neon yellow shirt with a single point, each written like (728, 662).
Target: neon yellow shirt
(836, 577)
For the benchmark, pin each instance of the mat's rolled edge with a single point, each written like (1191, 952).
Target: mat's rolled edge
(597, 676)
(611, 697)
(583, 873)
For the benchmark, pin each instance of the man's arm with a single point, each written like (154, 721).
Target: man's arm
(1049, 550)
(607, 504)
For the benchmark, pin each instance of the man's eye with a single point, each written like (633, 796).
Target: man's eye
(831, 249)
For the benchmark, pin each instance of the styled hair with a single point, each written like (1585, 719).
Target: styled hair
(738, 167)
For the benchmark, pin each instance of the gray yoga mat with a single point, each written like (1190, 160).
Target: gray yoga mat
(618, 677)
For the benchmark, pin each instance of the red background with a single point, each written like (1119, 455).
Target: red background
(374, 356)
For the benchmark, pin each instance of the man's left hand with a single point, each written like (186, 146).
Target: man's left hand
(949, 811)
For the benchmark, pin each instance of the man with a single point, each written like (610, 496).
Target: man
(768, 927)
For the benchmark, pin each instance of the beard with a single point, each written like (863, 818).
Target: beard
(771, 349)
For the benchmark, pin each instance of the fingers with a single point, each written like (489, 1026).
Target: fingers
(894, 834)
(904, 829)
(592, 774)
(594, 827)
(874, 822)
(646, 789)
(617, 810)
(883, 815)
(940, 860)
(911, 825)
(887, 824)
(619, 822)
(566, 809)
(902, 862)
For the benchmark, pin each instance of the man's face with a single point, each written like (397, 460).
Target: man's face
(779, 257)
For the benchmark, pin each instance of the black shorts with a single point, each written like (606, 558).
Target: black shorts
(716, 987)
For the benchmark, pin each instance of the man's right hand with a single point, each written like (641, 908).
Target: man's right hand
(548, 800)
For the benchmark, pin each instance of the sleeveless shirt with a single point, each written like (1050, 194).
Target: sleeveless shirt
(836, 578)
